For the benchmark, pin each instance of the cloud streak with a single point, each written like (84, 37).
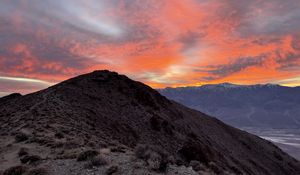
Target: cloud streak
(10, 85)
(220, 71)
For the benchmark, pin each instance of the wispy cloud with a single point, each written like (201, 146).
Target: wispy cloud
(10, 85)
(29, 80)
(238, 65)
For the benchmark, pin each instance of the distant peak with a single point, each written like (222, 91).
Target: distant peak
(221, 85)
(226, 84)
(103, 72)
(97, 75)
(272, 85)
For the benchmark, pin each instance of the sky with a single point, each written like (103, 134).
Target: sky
(162, 43)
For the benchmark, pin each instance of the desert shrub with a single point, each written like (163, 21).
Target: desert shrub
(67, 154)
(214, 168)
(59, 135)
(30, 159)
(22, 152)
(71, 144)
(16, 170)
(20, 137)
(154, 161)
(47, 126)
(86, 155)
(156, 158)
(4, 133)
(277, 155)
(119, 149)
(197, 166)
(141, 151)
(194, 150)
(155, 123)
(168, 128)
(91, 144)
(56, 144)
(63, 130)
(96, 162)
(112, 169)
(37, 171)
(41, 140)
(180, 162)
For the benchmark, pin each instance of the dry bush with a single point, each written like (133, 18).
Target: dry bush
(20, 137)
(112, 169)
(156, 158)
(214, 167)
(277, 156)
(105, 151)
(86, 155)
(68, 154)
(197, 166)
(91, 144)
(119, 149)
(96, 162)
(37, 171)
(16, 170)
(30, 159)
(71, 144)
(22, 152)
(59, 135)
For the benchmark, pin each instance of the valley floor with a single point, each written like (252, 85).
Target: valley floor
(286, 139)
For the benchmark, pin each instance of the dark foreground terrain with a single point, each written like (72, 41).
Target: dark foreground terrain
(105, 123)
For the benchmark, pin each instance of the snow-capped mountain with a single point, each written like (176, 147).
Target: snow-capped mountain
(262, 105)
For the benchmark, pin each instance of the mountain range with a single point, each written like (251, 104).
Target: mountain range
(262, 105)
(103, 122)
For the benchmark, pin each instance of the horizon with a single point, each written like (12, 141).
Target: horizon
(2, 94)
(160, 43)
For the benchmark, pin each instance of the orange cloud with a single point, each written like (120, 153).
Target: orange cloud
(162, 43)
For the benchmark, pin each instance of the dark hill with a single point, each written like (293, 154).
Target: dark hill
(105, 108)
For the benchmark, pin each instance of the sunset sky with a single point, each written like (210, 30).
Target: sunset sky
(159, 42)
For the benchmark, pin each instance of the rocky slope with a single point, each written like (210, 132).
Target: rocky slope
(105, 110)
